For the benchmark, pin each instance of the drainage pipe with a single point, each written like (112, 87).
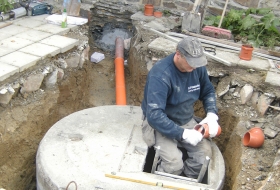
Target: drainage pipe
(119, 72)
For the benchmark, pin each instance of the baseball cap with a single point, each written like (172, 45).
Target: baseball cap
(191, 49)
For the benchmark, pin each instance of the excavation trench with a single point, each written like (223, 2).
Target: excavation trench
(25, 121)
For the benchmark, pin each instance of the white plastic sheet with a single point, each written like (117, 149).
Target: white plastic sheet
(57, 19)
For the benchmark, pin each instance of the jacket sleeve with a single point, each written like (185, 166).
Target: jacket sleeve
(207, 92)
(157, 94)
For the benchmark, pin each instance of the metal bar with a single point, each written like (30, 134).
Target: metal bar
(175, 176)
(157, 148)
(203, 169)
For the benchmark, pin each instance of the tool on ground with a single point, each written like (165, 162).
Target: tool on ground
(210, 49)
(31, 8)
(191, 20)
(218, 32)
(152, 182)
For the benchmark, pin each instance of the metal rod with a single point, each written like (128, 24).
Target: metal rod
(203, 169)
(157, 148)
(175, 176)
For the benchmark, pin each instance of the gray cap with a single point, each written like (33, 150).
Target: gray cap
(192, 50)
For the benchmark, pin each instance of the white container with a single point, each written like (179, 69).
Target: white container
(96, 57)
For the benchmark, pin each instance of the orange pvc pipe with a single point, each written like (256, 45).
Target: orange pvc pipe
(119, 72)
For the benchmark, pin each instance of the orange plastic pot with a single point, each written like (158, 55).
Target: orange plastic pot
(157, 14)
(149, 10)
(246, 52)
(254, 138)
(204, 130)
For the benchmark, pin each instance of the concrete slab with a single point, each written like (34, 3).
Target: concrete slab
(13, 29)
(51, 28)
(19, 59)
(87, 144)
(139, 16)
(34, 35)
(15, 43)
(5, 50)
(29, 23)
(39, 17)
(162, 44)
(64, 43)
(273, 78)
(40, 50)
(4, 35)
(98, 147)
(7, 70)
(255, 63)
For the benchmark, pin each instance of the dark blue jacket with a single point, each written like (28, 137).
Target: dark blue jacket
(170, 94)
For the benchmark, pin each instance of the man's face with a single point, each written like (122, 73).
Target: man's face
(182, 64)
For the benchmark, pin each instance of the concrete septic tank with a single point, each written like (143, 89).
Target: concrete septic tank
(102, 148)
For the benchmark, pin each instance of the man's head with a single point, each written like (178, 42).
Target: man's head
(191, 49)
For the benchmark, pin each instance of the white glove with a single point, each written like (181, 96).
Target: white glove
(211, 119)
(192, 136)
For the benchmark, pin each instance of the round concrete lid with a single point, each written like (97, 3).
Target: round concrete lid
(102, 148)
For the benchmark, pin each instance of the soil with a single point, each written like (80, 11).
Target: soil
(27, 118)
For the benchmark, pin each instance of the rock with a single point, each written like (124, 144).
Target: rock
(269, 132)
(223, 86)
(227, 97)
(60, 74)
(246, 93)
(260, 178)
(263, 104)
(254, 99)
(236, 92)
(5, 98)
(51, 79)
(32, 83)
(73, 61)
(277, 159)
(276, 121)
(241, 128)
(248, 3)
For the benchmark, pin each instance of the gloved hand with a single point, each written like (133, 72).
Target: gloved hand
(211, 119)
(192, 136)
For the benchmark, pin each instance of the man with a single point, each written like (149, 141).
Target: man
(173, 85)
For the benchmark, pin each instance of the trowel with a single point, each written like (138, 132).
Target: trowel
(191, 20)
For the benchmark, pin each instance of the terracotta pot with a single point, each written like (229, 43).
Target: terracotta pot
(157, 14)
(254, 138)
(149, 10)
(204, 129)
(246, 52)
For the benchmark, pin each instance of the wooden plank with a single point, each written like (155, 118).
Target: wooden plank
(139, 178)
(6, 24)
